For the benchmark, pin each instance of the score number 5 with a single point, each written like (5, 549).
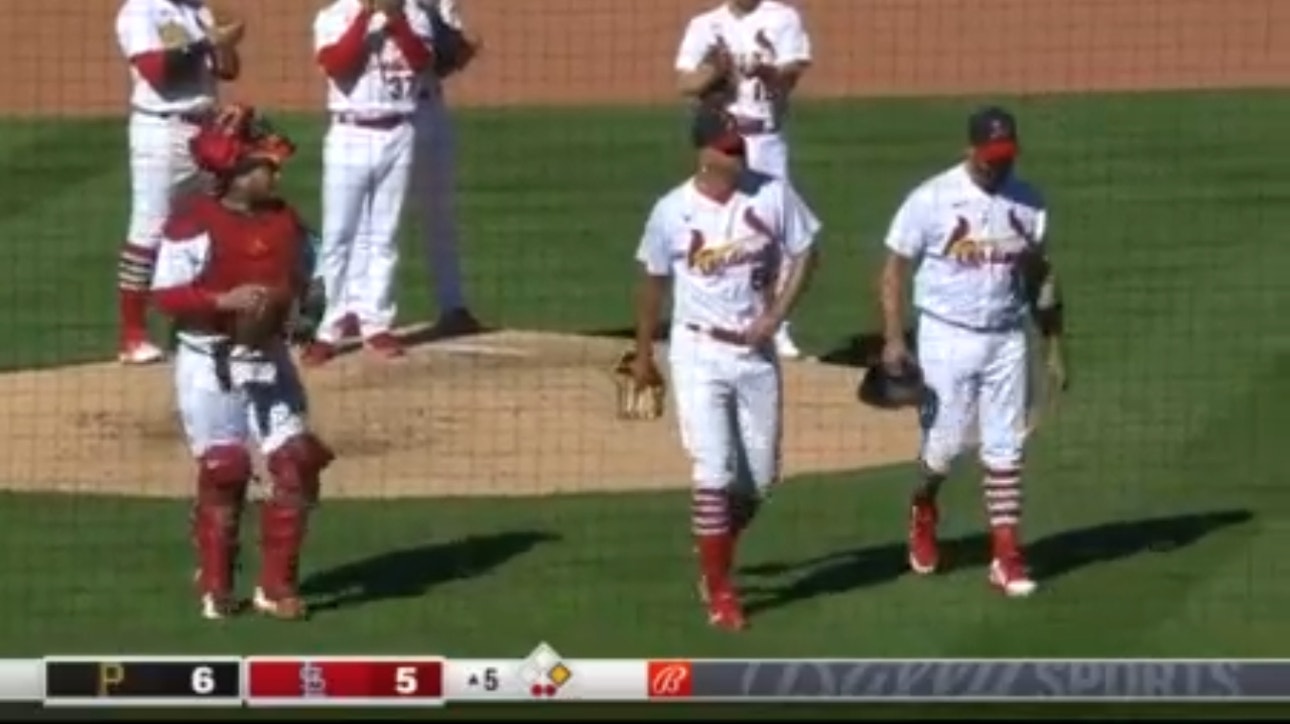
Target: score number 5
(407, 682)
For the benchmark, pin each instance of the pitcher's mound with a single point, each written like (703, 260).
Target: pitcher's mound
(505, 413)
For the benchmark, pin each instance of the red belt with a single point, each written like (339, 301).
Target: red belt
(380, 123)
(729, 336)
(753, 126)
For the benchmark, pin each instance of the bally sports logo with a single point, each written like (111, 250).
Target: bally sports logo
(670, 679)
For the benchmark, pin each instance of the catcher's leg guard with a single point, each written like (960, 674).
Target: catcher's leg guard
(295, 467)
(224, 472)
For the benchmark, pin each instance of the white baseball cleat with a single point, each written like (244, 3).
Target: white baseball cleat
(142, 352)
(784, 345)
(1009, 576)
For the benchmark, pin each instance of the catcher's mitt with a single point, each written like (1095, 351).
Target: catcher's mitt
(638, 401)
(265, 323)
(880, 388)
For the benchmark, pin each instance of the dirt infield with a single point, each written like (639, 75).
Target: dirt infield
(526, 412)
(507, 413)
(59, 56)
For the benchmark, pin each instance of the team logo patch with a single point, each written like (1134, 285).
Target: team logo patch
(173, 34)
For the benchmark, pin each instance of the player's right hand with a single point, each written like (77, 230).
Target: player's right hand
(895, 355)
(644, 371)
(246, 298)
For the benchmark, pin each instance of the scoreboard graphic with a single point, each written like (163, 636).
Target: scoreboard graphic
(545, 675)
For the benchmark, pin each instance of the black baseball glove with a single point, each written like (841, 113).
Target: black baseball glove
(453, 48)
(882, 389)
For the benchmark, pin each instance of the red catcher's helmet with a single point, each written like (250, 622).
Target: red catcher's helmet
(235, 139)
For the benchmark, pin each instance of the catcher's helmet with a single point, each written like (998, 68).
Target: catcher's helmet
(880, 388)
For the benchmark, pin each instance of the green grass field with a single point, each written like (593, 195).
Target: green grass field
(1155, 500)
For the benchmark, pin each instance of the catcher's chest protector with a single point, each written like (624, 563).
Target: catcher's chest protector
(263, 249)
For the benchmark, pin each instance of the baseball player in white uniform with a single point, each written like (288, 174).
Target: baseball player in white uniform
(974, 237)
(177, 54)
(434, 173)
(748, 56)
(722, 238)
(375, 54)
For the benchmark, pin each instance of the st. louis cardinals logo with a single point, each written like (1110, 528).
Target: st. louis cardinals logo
(670, 679)
(963, 248)
(710, 259)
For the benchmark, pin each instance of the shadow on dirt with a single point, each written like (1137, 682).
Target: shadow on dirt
(411, 572)
(1049, 558)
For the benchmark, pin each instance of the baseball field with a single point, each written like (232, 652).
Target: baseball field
(487, 500)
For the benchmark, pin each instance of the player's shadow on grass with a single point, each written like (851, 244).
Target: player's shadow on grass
(410, 572)
(1049, 558)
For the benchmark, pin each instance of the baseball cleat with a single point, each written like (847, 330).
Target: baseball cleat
(317, 354)
(924, 553)
(725, 612)
(384, 345)
(784, 345)
(217, 607)
(457, 322)
(287, 608)
(1009, 575)
(140, 352)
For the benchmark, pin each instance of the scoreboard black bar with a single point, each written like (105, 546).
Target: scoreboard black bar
(140, 679)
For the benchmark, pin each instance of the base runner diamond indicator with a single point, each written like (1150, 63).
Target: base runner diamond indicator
(545, 672)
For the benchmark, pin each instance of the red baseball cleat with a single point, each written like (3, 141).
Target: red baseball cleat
(385, 345)
(924, 553)
(1010, 576)
(725, 611)
(317, 354)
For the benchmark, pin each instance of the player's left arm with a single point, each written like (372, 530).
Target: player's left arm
(793, 56)
(799, 227)
(1047, 303)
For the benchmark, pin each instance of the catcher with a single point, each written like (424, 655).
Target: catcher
(231, 269)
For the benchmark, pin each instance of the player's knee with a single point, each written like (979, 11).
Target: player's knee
(223, 474)
(940, 452)
(296, 467)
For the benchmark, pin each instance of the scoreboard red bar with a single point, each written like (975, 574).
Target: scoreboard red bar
(370, 681)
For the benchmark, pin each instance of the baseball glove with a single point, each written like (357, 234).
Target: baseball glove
(638, 401)
(884, 390)
(268, 321)
(454, 48)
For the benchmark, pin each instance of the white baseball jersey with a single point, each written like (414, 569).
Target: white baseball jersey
(966, 243)
(724, 257)
(772, 34)
(145, 26)
(388, 85)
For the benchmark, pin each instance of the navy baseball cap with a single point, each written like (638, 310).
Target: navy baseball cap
(992, 131)
(716, 129)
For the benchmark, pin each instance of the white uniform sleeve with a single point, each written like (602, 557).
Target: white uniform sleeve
(655, 250)
(136, 31)
(329, 25)
(906, 235)
(791, 41)
(179, 262)
(694, 46)
(798, 223)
